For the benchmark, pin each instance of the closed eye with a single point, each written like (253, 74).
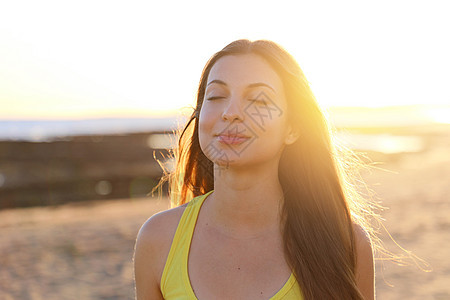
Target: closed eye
(215, 98)
(258, 101)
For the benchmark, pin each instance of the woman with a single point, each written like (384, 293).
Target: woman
(271, 215)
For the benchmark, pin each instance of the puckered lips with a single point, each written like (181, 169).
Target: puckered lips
(231, 138)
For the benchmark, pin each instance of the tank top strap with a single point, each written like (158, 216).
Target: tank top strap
(175, 269)
(175, 283)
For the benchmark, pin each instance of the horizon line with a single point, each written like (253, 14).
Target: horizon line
(183, 112)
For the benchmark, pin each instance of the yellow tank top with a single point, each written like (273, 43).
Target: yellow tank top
(175, 283)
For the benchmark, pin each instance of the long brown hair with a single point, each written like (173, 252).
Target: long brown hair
(320, 203)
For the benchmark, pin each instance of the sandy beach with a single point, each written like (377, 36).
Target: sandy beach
(84, 251)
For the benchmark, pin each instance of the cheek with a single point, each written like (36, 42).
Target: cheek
(266, 117)
(272, 136)
(206, 118)
(208, 114)
(205, 127)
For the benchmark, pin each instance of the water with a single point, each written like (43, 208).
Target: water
(38, 131)
(44, 130)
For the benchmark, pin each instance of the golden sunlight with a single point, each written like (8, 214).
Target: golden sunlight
(439, 115)
(350, 59)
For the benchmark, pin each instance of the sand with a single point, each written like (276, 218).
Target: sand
(84, 251)
(71, 252)
(416, 190)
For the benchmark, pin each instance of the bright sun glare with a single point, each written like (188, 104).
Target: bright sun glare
(439, 115)
(145, 59)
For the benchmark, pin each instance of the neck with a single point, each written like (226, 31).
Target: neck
(246, 202)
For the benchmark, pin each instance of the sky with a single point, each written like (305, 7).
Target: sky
(86, 59)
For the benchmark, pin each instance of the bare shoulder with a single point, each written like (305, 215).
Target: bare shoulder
(363, 245)
(365, 272)
(160, 228)
(151, 250)
(362, 237)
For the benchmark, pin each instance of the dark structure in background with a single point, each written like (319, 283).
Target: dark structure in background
(78, 169)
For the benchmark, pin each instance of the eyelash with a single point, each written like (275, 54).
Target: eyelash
(259, 101)
(214, 98)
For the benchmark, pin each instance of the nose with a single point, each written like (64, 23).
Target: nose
(233, 110)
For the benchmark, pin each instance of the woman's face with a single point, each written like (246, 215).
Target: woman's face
(243, 118)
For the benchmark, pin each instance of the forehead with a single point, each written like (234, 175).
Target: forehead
(243, 69)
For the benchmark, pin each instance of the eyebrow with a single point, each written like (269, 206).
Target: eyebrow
(257, 84)
(252, 85)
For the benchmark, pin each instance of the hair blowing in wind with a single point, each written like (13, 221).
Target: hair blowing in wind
(321, 205)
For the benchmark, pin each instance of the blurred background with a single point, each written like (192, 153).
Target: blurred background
(90, 92)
